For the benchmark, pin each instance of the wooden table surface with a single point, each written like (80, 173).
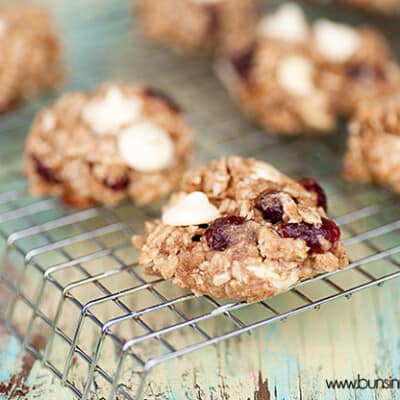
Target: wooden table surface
(285, 360)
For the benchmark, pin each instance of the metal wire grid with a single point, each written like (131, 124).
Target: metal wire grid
(71, 276)
(127, 347)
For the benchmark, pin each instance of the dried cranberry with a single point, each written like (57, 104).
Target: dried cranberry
(118, 185)
(242, 62)
(270, 206)
(159, 94)
(329, 230)
(360, 71)
(216, 234)
(313, 186)
(44, 171)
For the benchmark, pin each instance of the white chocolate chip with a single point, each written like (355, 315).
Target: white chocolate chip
(265, 171)
(280, 281)
(48, 121)
(337, 42)
(192, 209)
(110, 114)
(146, 147)
(295, 74)
(3, 27)
(287, 23)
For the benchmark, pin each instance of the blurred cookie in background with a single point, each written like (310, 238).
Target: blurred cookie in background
(276, 80)
(356, 63)
(119, 141)
(200, 25)
(374, 144)
(298, 76)
(30, 53)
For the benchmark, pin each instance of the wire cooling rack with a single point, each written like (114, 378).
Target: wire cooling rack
(70, 287)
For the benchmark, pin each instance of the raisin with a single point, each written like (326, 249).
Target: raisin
(118, 185)
(45, 172)
(270, 206)
(329, 230)
(217, 235)
(242, 62)
(360, 71)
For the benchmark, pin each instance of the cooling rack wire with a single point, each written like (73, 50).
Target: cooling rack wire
(71, 276)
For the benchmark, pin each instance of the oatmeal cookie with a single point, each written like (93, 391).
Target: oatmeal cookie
(276, 80)
(199, 25)
(119, 141)
(355, 64)
(30, 53)
(297, 77)
(374, 144)
(238, 228)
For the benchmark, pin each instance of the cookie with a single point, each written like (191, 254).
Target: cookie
(374, 143)
(240, 229)
(355, 64)
(30, 54)
(120, 141)
(199, 25)
(276, 80)
(298, 77)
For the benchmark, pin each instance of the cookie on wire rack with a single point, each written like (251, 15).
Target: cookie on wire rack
(238, 228)
(276, 80)
(355, 63)
(199, 25)
(30, 53)
(374, 144)
(120, 141)
(298, 77)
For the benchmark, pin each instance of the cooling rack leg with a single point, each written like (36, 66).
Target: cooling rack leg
(140, 389)
(35, 312)
(114, 386)
(92, 367)
(17, 291)
(54, 325)
(78, 330)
